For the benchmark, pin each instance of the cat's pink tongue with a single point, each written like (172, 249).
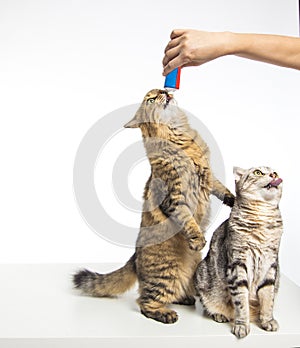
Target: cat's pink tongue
(276, 182)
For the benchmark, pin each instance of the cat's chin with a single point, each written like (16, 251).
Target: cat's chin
(271, 194)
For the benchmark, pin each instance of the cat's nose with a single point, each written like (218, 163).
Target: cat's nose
(273, 175)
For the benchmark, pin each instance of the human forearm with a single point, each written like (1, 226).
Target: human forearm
(193, 47)
(273, 49)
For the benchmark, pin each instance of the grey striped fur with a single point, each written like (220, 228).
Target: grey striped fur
(239, 277)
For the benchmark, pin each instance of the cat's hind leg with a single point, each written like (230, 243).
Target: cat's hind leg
(155, 296)
(216, 306)
(153, 303)
(220, 314)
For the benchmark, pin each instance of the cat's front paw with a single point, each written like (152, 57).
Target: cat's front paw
(229, 199)
(271, 325)
(197, 243)
(241, 330)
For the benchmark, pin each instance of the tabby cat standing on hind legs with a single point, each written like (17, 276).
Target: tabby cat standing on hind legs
(174, 217)
(239, 277)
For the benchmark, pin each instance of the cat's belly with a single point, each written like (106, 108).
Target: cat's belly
(188, 260)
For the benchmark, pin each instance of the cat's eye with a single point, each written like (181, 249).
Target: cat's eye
(151, 101)
(258, 172)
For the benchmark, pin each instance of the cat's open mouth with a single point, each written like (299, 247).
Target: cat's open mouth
(274, 183)
(169, 97)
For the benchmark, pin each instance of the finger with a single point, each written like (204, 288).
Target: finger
(170, 54)
(176, 33)
(173, 64)
(173, 43)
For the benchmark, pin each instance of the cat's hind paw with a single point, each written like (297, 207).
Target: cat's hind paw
(271, 325)
(219, 318)
(166, 316)
(240, 330)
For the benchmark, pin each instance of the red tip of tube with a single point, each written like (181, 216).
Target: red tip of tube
(178, 78)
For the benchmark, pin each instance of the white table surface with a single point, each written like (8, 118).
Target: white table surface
(39, 308)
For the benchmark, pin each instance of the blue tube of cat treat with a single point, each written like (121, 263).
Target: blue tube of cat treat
(172, 80)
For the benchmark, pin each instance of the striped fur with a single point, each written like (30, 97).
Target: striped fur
(239, 277)
(175, 213)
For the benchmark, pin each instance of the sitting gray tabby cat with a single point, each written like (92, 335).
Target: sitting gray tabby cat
(239, 277)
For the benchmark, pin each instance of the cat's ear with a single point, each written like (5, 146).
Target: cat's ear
(238, 173)
(136, 121)
(132, 123)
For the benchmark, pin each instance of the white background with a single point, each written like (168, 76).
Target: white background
(64, 64)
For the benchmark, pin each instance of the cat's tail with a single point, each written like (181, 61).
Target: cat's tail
(107, 285)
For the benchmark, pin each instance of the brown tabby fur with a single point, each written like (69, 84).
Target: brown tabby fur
(175, 213)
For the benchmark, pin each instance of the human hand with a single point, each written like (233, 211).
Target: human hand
(193, 47)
